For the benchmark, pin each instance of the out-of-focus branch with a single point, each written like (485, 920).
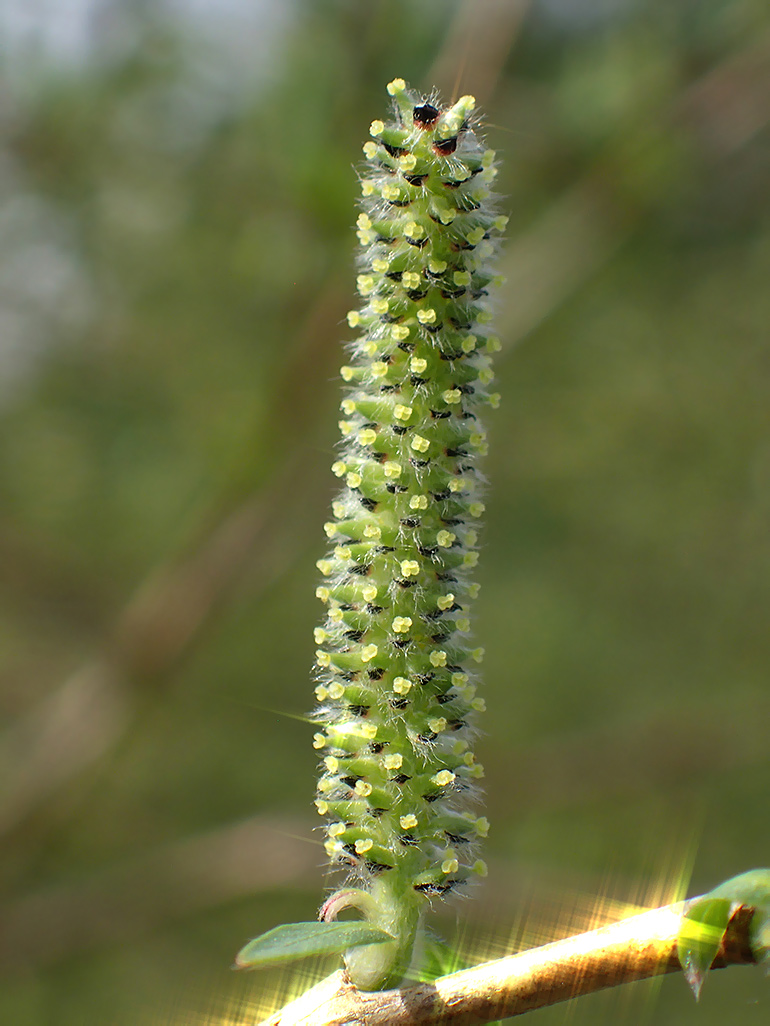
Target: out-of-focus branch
(546, 265)
(85, 716)
(68, 731)
(480, 37)
(729, 105)
(633, 949)
(82, 719)
(256, 855)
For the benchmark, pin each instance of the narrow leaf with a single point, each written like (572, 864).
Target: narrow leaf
(301, 940)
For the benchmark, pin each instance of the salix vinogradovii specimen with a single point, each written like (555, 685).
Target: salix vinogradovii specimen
(396, 668)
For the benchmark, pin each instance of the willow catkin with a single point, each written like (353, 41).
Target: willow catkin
(396, 665)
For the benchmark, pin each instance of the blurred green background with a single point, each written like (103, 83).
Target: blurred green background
(177, 187)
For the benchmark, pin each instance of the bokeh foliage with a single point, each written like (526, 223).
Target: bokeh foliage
(175, 265)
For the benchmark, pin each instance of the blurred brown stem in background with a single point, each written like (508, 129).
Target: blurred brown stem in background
(131, 899)
(82, 720)
(480, 37)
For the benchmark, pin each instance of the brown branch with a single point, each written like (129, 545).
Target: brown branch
(633, 949)
(82, 720)
(473, 53)
(726, 108)
(545, 266)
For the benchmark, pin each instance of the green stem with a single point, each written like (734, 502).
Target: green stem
(397, 910)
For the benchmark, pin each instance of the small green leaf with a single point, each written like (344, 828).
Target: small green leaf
(301, 940)
(703, 927)
(704, 923)
(752, 890)
(759, 936)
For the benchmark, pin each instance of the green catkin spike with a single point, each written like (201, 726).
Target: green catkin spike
(396, 667)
